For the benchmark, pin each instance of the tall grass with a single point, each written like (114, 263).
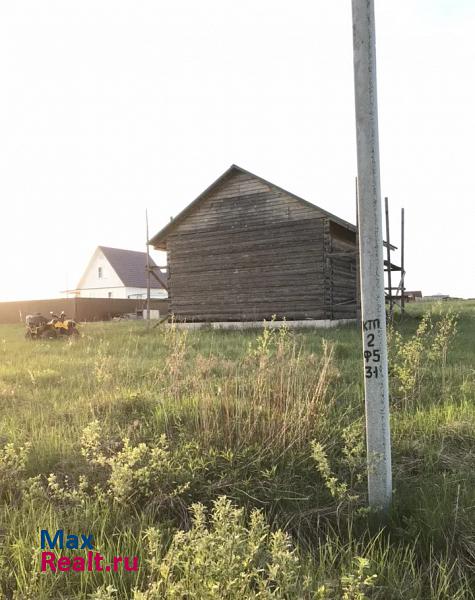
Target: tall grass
(121, 433)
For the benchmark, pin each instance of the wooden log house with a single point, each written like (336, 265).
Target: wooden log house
(246, 250)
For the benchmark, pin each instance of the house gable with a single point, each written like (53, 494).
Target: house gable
(118, 268)
(240, 199)
(92, 278)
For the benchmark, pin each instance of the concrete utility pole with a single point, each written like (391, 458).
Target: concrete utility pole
(373, 311)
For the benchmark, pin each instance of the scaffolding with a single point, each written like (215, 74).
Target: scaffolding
(395, 295)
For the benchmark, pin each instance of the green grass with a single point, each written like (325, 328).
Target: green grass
(240, 411)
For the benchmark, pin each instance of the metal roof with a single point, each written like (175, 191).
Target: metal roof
(130, 267)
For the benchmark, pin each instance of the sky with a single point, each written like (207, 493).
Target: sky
(111, 107)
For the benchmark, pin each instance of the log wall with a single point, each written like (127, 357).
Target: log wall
(249, 251)
(248, 274)
(343, 278)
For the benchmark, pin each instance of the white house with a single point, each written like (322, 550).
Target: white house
(116, 273)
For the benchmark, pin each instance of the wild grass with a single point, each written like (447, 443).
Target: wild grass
(232, 463)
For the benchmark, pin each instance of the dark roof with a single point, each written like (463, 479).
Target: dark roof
(130, 267)
(162, 234)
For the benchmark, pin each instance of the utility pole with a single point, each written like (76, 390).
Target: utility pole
(148, 270)
(378, 440)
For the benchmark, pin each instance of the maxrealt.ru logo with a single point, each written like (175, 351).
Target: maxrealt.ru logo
(90, 561)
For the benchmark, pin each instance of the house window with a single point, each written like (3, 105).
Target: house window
(99, 272)
(109, 294)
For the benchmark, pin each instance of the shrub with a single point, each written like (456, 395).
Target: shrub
(134, 471)
(12, 467)
(223, 557)
(356, 583)
(350, 462)
(226, 557)
(411, 359)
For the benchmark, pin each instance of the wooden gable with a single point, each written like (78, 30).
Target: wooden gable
(246, 250)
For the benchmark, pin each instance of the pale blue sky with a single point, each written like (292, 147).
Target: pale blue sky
(110, 107)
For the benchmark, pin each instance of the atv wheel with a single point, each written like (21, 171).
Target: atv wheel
(49, 334)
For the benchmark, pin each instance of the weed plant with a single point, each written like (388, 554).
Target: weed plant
(233, 463)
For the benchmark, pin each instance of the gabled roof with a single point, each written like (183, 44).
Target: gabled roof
(163, 233)
(130, 267)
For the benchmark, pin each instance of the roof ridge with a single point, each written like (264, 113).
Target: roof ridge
(121, 249)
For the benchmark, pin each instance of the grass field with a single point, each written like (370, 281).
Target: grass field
(232, 464)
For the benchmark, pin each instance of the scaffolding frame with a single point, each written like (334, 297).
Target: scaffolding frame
(398, 297)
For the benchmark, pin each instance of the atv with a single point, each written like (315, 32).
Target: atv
(38, 327)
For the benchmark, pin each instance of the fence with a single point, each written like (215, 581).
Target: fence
(80, 309)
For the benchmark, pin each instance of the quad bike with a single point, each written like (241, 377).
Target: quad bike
(38, 327)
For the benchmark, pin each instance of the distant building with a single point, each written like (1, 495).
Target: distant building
(117, 273)
(435, 297)
(412, 296)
